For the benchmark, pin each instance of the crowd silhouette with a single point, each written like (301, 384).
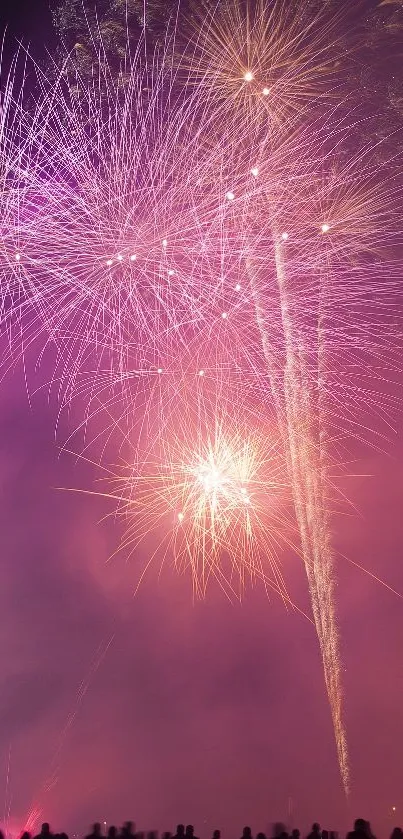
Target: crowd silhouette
(361, 830)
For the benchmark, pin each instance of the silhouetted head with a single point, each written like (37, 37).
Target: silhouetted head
(246, 833)
(217, 834)
(112, 831)
(63, 836)
(25, 835)
(316, 828)
(45, 829)
(360, 825)
(397, 833)
(96, 829)
(295, 833)
(260, 836)
(189, 832)
(180, 830)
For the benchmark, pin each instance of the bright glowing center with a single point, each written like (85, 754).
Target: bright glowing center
(221, 487)
(248, 76)
(211, 479)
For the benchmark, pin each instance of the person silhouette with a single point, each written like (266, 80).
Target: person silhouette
(45, 832)
(112, 832)
(25, 835)
(279, 831)
(189, 832)
(295, 834)
(361, 830)
(246, 833)
(180, 832)
(96, 831)
(315, 832)
(397, 833)
(217, 834)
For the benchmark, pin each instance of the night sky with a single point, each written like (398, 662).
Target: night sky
(209, 712)
(28, 22)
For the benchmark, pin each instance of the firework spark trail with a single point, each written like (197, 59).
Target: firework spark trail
(298, 387)
(308, 469)
(296, 392)
(105, 250)
(52, 773)
(292, 391)
(7, 795)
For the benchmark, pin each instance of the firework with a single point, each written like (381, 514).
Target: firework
(213, 489)
(105, 255)
(201, 240)
(266, 62)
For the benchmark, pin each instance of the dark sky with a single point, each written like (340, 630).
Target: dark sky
(30, 20)
(213, 713)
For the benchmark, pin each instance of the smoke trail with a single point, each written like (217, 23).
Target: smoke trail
(299, 420)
